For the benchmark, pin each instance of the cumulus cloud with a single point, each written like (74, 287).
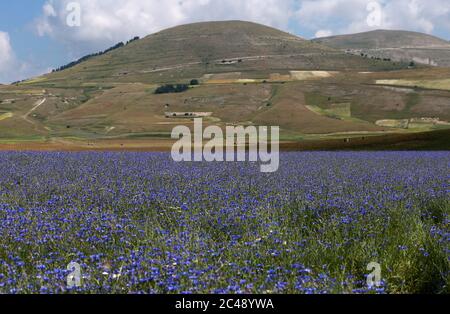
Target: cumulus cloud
(351, 16)
(11, 68)
(323, 33)
(105, 22)
(8, 62)
(6, 53)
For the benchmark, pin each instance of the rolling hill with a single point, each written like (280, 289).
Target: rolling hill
(244, 73)
(396, 45)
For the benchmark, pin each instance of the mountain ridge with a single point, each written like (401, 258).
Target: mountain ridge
(394, 38)
(397, 45)
(193, 50)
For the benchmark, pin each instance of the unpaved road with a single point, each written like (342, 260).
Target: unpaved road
(37, 104)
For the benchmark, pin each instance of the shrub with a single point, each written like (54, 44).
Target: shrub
(194, 82)
(170, 88)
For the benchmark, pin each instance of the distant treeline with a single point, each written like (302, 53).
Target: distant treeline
(170, 88)
(176, 88)
(87, 57)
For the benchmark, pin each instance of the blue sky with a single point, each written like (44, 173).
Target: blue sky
(35, 37)
(16, 18)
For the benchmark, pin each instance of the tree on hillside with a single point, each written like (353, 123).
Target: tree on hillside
(195, 82)
(170, 88)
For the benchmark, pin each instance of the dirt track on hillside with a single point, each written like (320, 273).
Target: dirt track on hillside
(35, 107)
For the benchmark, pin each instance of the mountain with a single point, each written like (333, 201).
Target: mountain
(396, 45)
(382, 39)
(193, 50)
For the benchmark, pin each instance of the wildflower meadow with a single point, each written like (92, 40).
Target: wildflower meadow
(142, 223)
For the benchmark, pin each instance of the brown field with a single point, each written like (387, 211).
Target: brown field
(290, 111)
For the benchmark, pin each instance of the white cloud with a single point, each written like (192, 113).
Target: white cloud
(6, 53)
(8, 62)
(323, 33)
(11, 68)
(105, 22)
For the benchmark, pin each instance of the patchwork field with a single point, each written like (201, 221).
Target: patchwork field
(252, 75)
(321, 106)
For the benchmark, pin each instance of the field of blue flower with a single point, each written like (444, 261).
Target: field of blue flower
(141, 223)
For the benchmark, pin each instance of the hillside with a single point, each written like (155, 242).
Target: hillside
(243, 73)
(383, 39)
(397, 45)
(193, 50)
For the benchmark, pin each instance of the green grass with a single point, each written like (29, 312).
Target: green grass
(403, 233)
(338, 111)
(148, 135)
(412, 260)
(22, 139)
(318, 100)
